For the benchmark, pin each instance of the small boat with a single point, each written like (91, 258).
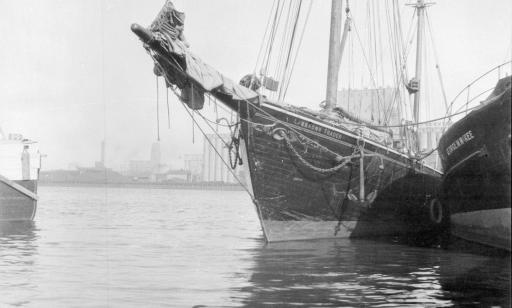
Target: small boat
(19, 172)
(475, 154)
(311, 174)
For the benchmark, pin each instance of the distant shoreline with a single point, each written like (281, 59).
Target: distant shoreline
(191, 186)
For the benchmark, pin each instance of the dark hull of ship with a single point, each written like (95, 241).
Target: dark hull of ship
(296, 201)
(14, 204)
(297, 197)
(476, 186)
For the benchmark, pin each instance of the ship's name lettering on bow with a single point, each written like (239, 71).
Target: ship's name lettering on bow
(459, 142)
(318, 129)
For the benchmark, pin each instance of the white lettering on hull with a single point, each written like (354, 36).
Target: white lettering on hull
(468, 136)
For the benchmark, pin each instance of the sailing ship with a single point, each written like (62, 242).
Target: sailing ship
(19, 172)
(310, 174)
(475, 154)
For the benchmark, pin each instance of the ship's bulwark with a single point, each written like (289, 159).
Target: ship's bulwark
(296, 201)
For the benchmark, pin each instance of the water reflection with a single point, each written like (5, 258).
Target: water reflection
(477, 280)
(158, 248)
(17, 228)
(354, 273)
(18, 252)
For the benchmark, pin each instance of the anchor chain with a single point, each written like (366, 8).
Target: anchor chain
(344, 160)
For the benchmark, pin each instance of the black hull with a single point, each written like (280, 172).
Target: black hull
(15, 205)
(307, 177)
(475, 153)
(297, 202)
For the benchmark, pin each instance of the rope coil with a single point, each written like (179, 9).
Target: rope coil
(234, 146)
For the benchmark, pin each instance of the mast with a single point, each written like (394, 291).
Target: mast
(420, 7)
(334, 47)
(346, 29)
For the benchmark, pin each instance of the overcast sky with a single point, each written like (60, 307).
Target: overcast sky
(72, 73)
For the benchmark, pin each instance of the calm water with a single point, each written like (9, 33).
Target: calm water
(120, 247)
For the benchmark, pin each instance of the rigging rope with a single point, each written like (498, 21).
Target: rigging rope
(157, 112)
(260, 52)
(345, 160)
(193, 129)
(396, 47)
(372, 77)
(437, 62)
(270, 44)
(469, 85)
(282, 40)
(217, 152)
(235, 141)
(168, 109)
(277, 120)
(217, 122)
(287, 83)
(418, 123)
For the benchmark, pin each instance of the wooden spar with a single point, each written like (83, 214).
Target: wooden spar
(334, 47)
(144, 34)
(420, 6)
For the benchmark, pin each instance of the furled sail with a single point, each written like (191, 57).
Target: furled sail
(187, 71)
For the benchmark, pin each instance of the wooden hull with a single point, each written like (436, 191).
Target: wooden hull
(16, 206)
(307, 177)
(476, 186)
(296, 200)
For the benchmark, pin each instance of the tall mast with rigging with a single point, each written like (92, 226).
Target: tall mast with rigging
(420, 8)
(334, 50)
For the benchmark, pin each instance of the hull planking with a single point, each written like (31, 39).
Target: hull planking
(297, 199)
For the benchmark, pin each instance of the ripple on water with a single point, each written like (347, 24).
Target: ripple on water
(120, 247)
